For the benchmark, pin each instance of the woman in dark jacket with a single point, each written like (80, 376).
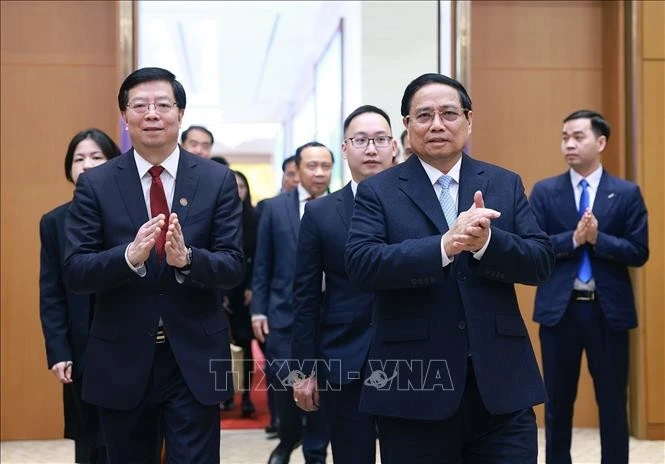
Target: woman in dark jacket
(240, 297)
(66, 317)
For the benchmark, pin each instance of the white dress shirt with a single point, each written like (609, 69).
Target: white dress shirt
(434, 174)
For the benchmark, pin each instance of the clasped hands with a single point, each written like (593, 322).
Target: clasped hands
(174, 248)
(471, 229)
(587, 229)
(306, 394)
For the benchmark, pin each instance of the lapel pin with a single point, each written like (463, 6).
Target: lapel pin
(611, 195)
(183, 202)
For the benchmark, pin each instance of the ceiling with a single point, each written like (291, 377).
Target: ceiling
(240, 62)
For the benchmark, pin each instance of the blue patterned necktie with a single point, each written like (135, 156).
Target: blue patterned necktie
(584, 267)
(446, 201)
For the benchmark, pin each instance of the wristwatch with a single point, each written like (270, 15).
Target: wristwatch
(186, 269)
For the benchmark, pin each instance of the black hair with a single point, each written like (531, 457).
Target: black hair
(403, 136)
(365, 109)
(298, 155)
(184, 135)
(220, 160)
(290, 159)
(148, 75)
(106, 144)
(599, 126)
(434, 78)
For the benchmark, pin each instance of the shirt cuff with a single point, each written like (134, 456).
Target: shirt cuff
(445, 260)
(179, 276)
(259, 317)
(479, 254)
(140, 269)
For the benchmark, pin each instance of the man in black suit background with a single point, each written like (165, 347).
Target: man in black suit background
(335, 326)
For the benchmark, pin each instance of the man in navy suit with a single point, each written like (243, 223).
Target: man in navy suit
(272, 300)
(158, 354)
(598, 225)
(335, 325)
(442, 238)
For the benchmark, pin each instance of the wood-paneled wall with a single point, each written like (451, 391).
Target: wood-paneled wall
(59, 76)
(647, 157)
(531, 64)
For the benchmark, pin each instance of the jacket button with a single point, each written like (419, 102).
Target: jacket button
(461, 325)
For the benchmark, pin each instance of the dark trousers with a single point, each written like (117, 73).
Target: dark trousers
(89, 454)
(470, 436)
(352, 433)
(168, 412)
(296, 425)
(583, 327)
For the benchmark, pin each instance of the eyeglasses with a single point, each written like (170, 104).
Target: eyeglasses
(425, 118)
(382, 141)
(161, 107)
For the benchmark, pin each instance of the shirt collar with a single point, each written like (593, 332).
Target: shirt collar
(303, 194)
(434, 174)
(354, 187)
(170, 164)
(593, 179)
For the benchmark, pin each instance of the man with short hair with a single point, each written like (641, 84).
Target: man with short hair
(290, 178)
(335, 327)
(272, 299)
(598, 225)
(154, 234)
(198, 140)
(441, 239)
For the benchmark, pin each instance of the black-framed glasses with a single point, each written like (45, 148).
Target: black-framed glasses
(360, 141)
(161, 107)
(425, 118)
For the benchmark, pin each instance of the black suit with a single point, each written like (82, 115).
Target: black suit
(334, 326)
(66, 319)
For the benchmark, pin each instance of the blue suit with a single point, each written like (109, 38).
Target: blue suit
(334, 326)
(600, 326)
(66, 319)
(450, 341)
(272, 295)
(123, 361)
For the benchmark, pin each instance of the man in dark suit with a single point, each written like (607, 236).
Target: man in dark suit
(158, 355)
(335, 325)
(451, 372)
(598, 225)
(272, 300)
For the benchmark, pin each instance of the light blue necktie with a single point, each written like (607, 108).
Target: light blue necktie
(584, 267)
(446, 201)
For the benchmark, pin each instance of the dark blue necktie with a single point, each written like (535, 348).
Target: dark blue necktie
(584, 267)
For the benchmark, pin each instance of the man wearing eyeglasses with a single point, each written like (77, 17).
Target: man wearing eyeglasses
(153, 236)
(197, 140)
(441, 239)
(335, 326)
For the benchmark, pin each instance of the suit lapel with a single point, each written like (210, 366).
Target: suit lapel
(129, 186)
(565, 198)
(344, 205)
(187, 180)
(470, 181)
(605, 197)
(417, 186)
(293, 211)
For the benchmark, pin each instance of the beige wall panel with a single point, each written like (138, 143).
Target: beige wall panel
(653, 137)
(58, 77)
(653, 25)
(537, 34)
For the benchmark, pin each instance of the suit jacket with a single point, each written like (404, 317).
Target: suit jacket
(107, 211)
(65, 316)
(275, 260)
(622, 242)
(335, 325)
(431, 318)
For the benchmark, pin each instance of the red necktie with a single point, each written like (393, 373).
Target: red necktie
(158, 205)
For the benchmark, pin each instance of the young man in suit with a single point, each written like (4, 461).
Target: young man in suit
(441, 239)
(335, 325)
(154, 234)
(272, 300)
(598, 225)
